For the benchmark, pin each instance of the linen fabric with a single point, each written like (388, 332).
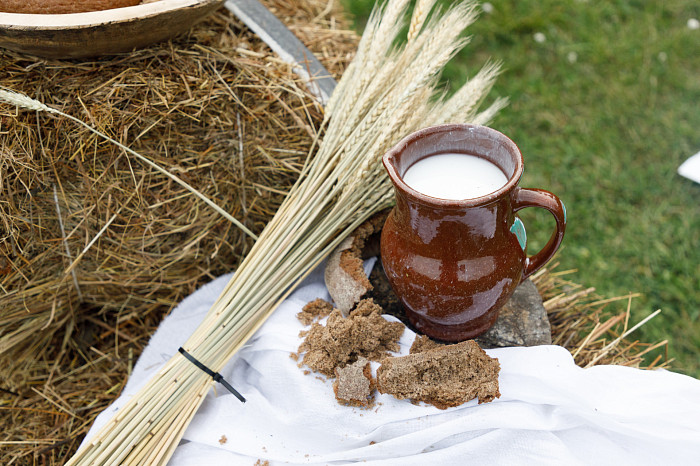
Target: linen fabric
(550, 410)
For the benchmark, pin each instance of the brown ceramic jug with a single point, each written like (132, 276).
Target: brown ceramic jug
(454, 263)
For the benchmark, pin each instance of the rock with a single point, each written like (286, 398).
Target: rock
(521, 322)
(383, 295)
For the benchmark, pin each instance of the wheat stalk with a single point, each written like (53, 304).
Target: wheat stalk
(341, 186)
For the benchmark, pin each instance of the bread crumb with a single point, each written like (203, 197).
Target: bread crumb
(423, 343)
(364, 333)
(223, 440)
(354, 384)
(315, 310)
(262, 463)
(444, 377)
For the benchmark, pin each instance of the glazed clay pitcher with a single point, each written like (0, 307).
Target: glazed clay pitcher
(454, 263)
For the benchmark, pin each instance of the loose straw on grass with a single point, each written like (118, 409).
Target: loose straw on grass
(602, 353)
(586, 325)
(375, 104)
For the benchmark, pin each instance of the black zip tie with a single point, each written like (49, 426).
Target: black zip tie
(214, 375)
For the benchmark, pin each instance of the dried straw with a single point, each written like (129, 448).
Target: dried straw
(27, 103)
(594, 329)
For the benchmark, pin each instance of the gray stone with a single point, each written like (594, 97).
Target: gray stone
(521, 322)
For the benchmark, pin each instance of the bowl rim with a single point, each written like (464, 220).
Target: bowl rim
(92, 18)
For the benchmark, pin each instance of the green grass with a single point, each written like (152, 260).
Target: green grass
(604, 111)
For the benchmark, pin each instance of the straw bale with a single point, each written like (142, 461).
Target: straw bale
(215, 107)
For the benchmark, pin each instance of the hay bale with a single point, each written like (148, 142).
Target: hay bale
(215, 107)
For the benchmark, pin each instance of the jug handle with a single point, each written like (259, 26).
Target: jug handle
(524, 197)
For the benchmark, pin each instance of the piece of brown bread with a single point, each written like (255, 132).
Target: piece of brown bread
(354, 383)
(365, 333)
(345, 275)
(446, 376)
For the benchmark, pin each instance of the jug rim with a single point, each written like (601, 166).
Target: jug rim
(399, 183)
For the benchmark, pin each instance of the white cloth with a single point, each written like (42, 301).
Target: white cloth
(691, 168)
(550, 410)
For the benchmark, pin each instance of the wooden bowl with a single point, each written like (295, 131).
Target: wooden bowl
(105, 32)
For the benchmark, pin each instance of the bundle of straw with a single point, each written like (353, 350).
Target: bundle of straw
(385, 93)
